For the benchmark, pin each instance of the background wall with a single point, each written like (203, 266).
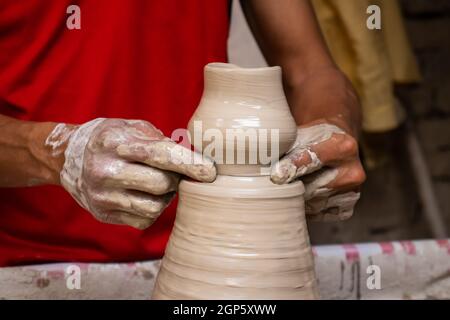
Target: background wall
(428, 24)
(390, 208)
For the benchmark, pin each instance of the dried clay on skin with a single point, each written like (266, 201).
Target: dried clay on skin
(324, 204)
(285, 170)
(74, 159)
(58, 137)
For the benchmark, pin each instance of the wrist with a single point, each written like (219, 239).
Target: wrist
(325, 95)
(47, 142)
(74, 150)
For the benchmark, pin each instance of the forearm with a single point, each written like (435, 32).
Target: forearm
(289, 36)
(25, 157)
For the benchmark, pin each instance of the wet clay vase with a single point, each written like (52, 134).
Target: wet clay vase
(240, 103)
(241, 236)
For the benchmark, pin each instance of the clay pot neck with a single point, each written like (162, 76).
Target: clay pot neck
(233, 82)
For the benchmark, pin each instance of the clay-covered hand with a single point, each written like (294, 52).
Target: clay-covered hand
(126, 171)
(326, 158)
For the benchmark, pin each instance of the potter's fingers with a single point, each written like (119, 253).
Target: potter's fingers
(317, 183)
(147, 205)
(295, 164)
(124, 218)
(339, 148)
(167, 155)
(348, 176)
(304, 160)
(313, 134)
(141, 177)
(132, 201)
(337, 207)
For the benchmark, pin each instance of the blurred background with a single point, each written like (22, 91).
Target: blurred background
(402, 75)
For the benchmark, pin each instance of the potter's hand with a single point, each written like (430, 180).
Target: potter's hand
(125, 171)
(327, 159)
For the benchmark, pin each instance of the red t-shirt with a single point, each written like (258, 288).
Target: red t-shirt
(130, 59)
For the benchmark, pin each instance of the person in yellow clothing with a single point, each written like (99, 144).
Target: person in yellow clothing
(374, 60)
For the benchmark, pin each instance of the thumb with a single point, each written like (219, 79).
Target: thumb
(295, 164)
